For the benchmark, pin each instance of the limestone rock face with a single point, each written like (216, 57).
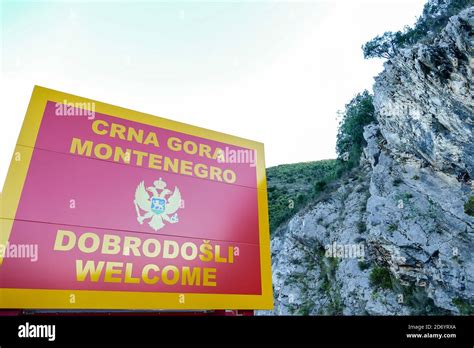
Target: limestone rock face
(402, 210)
(424, 98)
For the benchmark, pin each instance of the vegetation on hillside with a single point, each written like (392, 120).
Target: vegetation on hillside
(435, 16)
(292, 186)
(380, 277)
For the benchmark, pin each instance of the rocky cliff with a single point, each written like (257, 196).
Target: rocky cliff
(393, 238)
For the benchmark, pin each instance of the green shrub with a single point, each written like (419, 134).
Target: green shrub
(320, 186)
(325, 286)
(380, 278)
(301, 198)
(469, 206)
(397, 182)
(392, 227)
(404, 197)
(465, 308)
(305, 308)
(363, 265)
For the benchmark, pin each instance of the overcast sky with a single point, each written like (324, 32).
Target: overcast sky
(275, 72)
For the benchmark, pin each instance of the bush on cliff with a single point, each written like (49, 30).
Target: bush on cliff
(359, 112)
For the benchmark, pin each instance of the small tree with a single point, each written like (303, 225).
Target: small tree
(384, 46)
(350, 138)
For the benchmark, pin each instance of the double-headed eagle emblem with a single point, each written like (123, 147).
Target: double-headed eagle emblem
(157, 207)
